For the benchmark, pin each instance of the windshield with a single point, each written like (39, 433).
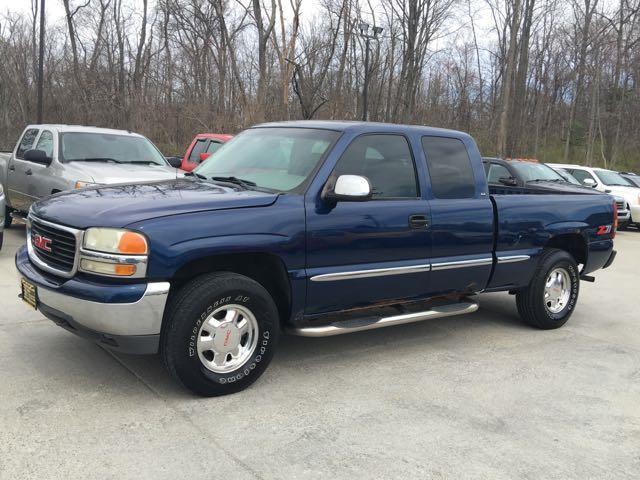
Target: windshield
(635, 180)
(279, 159)
(530, 172)
(612, 179)
(79, 146)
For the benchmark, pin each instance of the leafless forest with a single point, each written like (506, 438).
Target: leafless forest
(552, 79)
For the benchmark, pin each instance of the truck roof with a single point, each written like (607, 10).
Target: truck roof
(365, 127)
(61, 128)
(573, 165)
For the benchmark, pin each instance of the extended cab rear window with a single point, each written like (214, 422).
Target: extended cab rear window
(450, 168)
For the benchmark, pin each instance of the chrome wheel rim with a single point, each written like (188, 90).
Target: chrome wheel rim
(557, 290)
(227, 338)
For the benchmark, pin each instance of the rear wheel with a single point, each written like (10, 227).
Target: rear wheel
(220, 334)
(552, 294)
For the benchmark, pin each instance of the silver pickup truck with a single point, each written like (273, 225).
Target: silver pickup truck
(48, 159)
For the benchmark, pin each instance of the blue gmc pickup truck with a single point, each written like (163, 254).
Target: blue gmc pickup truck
(312, 228)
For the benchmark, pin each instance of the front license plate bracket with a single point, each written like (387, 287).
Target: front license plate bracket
(29, 293)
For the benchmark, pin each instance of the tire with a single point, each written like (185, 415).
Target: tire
(544, 312)
(8, 219)
(199, 332)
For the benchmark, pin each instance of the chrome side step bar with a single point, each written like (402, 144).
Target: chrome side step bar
(357, 325)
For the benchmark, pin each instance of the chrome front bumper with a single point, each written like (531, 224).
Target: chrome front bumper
(143, 317)
(623, 216)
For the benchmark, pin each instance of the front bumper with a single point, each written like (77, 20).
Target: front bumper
(635, 213)
(132, 326)
(623, 216)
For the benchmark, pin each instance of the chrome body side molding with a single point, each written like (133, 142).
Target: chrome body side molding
(376, 272)
(478, 262)
(513, 258)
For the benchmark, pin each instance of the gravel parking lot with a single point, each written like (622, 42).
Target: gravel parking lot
(477, 396)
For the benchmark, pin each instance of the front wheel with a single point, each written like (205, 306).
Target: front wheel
(552, 294)
(221, 333)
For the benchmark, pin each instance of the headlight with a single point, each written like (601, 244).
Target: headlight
(82, 184)
(115, 240)
(114, 252)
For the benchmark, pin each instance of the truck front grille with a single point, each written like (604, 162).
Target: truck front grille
(621, 205)
(53, 246)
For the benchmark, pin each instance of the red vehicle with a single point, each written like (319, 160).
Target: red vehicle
(203, 145)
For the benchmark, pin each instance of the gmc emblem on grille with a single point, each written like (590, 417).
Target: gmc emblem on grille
(43, 243)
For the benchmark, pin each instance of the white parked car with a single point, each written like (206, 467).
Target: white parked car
(607, 181)
(623, 211)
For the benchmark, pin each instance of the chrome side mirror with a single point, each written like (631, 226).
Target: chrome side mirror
(347, 188)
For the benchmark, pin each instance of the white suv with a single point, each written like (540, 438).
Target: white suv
(607, 181)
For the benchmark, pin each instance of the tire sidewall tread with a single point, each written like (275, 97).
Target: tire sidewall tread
(190, 307)
(530, 299)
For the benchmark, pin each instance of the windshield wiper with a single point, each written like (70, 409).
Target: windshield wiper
(236, 181)
(141, 162)
(92, 159)
(194, 174)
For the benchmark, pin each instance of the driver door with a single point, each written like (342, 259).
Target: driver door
(363, 253)
(19, 172)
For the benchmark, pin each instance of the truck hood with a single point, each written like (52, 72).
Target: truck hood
(562, 187)
(121, 205)
(630, 194)
(110, 173)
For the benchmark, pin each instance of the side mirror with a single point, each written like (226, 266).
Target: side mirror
(204, 156)
(175, 162)
(37, 156)
(347, 188)
(509, 181)
(589, 182)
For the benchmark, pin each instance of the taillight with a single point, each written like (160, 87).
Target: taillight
(615, 220)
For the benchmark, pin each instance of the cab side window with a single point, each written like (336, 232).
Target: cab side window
(198, 148)
(386, 161)
(45, 143)
(496, 172)
(27, 142)
(450, 168)
(582, 175)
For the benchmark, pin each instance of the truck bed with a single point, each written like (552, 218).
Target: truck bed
(526, 223)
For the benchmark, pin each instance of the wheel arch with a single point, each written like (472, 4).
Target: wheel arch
(267, 269)
(573, 243)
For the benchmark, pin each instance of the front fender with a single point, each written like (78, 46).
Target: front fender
(165, 265)
(177, 240)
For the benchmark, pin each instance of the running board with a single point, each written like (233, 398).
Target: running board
(358, 325)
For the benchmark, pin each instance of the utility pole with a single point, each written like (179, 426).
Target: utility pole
(364, 28)
(41, 64)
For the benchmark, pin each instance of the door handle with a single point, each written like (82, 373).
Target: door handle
(12, 168)
(418, 221)
(28, 172)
